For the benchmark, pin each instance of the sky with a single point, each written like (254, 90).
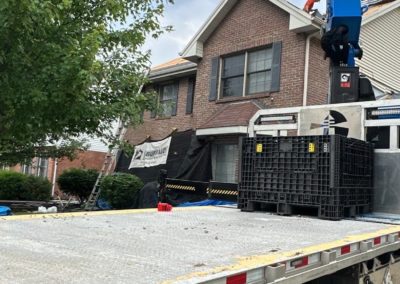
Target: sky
(186, 17)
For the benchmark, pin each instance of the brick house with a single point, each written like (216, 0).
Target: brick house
(249, 55)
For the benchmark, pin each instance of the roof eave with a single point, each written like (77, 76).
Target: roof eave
(173, 75)
(390, 7)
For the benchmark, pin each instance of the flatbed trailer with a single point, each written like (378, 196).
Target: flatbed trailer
(195, 245)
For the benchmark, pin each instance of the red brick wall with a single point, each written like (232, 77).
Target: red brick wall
(158, 128)
(250, 24)
(318, 75)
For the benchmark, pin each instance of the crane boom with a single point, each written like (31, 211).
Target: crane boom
(340, 42)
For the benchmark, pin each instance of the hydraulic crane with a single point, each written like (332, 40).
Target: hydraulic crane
(340, 41)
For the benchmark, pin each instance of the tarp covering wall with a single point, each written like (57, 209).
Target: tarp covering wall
(188, 158)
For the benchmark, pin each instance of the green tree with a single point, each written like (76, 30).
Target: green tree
(78, 182)
(69, 67)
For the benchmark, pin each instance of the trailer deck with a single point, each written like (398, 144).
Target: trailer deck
(187, 245)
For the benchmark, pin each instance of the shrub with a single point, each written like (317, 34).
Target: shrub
(120, 190)
(38, 188)
(77, 182)
(17, 186)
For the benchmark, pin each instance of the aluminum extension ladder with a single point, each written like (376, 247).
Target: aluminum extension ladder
(109, 161)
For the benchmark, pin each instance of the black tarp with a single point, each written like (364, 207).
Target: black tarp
(189, 158)
(148, 195)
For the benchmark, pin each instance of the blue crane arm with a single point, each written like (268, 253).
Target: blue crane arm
(342, 31)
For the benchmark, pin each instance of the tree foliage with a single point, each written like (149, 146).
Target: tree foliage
(69, 67)
(78, 182)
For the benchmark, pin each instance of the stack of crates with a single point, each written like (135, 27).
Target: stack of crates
(332, 174)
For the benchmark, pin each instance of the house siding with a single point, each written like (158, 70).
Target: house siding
(381, 59)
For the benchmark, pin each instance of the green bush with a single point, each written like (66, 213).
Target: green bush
(120, 190)
(17, 186)
(78, 182)
(38, 188)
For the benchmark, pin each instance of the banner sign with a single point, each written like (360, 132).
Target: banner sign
(150, 154)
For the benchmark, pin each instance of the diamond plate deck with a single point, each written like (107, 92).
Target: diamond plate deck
(150, 247)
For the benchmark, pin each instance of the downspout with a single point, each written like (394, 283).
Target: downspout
(54, 176)
(306, 66)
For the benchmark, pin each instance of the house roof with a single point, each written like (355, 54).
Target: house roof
(175, 68)
(233, 114)
(378, 10)
(171, 63)
(299, 22)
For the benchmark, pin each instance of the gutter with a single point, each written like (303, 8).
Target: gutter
(54, 177)
(307, 66)
(175, 70)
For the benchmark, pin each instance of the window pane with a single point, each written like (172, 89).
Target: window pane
(233, 66)
(225, 162)
(42, 167)
(260, 60)
(168, 98)
(259, 82)
(232, 87)
(168, 92)
(379, 136)
(167, 108)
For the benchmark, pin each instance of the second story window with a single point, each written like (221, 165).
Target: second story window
(259, 71)
(232, 77)
(246, 74)
(251, 72)
(168, 100)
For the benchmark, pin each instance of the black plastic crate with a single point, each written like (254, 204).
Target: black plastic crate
(335, 161)
(324, 172)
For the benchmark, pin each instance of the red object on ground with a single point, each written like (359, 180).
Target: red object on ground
(309, 5)
(164, 207)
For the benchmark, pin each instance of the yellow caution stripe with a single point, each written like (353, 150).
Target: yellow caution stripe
(181, 187)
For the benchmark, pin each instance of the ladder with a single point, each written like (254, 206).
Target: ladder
(109, 161)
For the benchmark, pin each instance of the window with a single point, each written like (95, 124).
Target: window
(38, 167)
(248, 73)
(379, 136)
(26, 169)
(41, 170)
(259, 71)
(224, 162)
(168, 100)
(232, 77)
(190, 95)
